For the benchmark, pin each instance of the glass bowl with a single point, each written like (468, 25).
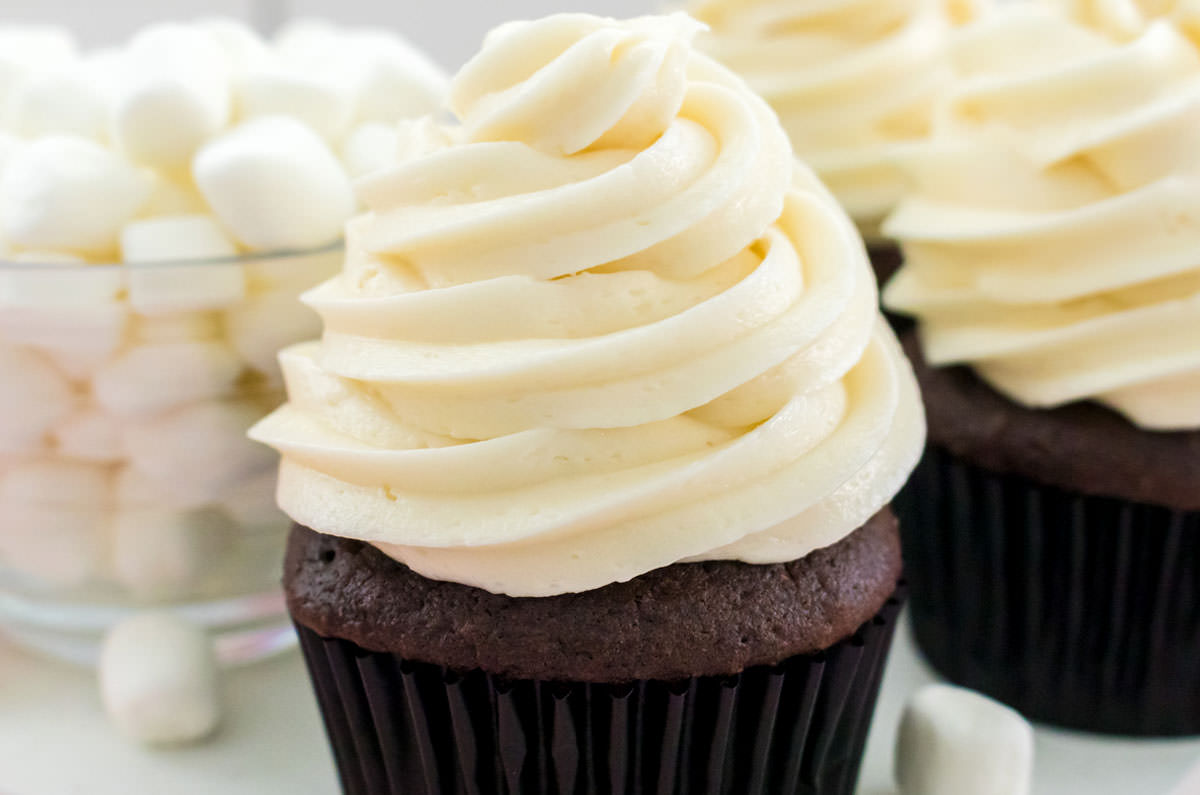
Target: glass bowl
(126, 479)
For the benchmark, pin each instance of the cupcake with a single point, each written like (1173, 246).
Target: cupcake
(854, 82)
(591, 467)
(1052, 250)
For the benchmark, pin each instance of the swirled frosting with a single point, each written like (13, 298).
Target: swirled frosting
(604, 324)
(1053, 239)
(852, 80)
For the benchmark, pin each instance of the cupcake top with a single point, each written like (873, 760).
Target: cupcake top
(1053, 239)
(604, 324)
(852, 80)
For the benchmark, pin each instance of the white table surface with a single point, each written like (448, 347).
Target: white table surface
(54, 741)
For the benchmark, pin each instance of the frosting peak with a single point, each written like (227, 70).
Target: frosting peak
(1051, 240)
(604, 324)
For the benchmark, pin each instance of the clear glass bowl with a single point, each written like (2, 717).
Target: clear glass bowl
(126, 479)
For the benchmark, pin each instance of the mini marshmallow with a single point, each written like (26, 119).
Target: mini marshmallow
(66, 192)
(78, 367)
(294, 273)
(369, 147)
(54, 546)
(35, 397)
(136, 491)
(158, 288)
(150, 379)
(275, 184)
(397, 80)
(159, 679)
(29, 49)
(91, 331)
(200, 452)
(50, 481)
(263, 325)
(62, 101)
(177, 96)
(162, 553)
(243, 48)
(90, 434)
(173, 197)
(204, 326)
(310, 96)
(953, 741)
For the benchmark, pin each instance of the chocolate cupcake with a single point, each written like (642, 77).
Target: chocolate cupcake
(592, 464)
(854, 83)
(1051, 260)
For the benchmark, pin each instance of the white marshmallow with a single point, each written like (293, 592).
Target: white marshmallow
(62, 101)
(157, 288)
(58, 287)
(369, 147)
(163, 553)
(91, 435)
(53, 520)
(54, 546)
(199, 453)
(79, 368)
(136, 491)
(177, 96)
(312, 97)
(262, 325)
(29, 49)
(178, 327)
(150, 379)
(50, 481)
(173, 197)
(66, 192)
(34, 398)
(83, 331)
(293, 273)
(159, 679)
(275, 184)
(243, 48)
(954, 741)
(397, 80)
(252, 505)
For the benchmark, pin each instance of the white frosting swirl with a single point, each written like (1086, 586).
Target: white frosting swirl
(852, 80)
(604, 325)
(1053, 240)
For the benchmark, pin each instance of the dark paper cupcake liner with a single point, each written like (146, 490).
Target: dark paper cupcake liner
(399, 727)
(1077, 610)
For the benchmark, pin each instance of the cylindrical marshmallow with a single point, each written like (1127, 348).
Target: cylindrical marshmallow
(207, 280)
(150, 379)
(954, 741)
(90, 434)
(66, 100)
(34, 398)
(177, 96)
(67, 192)
(276, 185)
(158, 679)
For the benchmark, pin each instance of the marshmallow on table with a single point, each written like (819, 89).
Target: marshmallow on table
(69, 193)
(199, 453)
(153, 378)
(954, 741)
(158, 679)
(65, 100)
(165, 553)
(176, 96)
(172, 267)
(275, 184)
(34, 398)
(369, 147)
(262, 325)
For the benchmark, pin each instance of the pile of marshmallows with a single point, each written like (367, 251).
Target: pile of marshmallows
(128, 390)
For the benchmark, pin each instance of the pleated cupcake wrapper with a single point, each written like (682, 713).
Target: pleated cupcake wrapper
(1078, 611)
(398, 726)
